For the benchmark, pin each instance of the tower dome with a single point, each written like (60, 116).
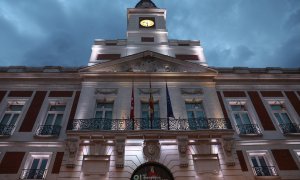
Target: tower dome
(145, 4)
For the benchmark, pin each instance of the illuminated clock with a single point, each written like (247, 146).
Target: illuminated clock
(147, 22)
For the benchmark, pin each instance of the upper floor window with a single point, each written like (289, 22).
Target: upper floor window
(261, 164)
(196, 115)
(282, 117)
(242, 119)
(108, 56)
(36, 166)
(146, 121)
(147, 39)
(53, 120)
(103, 115)
(186, 57)
(10, 117)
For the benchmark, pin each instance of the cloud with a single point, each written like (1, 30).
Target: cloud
(250, 33)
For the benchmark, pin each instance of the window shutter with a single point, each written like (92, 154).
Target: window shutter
(61, 94)
(294, 100)
(284, 159)
(33, 111)
(261, 111)
(73, 110)
(242, 160)
(2, 94)
(11, 162)
(222, 104)
(234, 94)
(57, 163)
(20, 94)
(271, 94)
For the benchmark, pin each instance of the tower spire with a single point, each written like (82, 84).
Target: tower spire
(145, 4)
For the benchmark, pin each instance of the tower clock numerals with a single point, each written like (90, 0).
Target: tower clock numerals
(147, 23)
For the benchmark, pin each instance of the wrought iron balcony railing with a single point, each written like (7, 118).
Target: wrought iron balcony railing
(265, 171)
(48, 130)
(249, 129)
(146, 124)
(6, 130)
(33, 174)
(289, 128)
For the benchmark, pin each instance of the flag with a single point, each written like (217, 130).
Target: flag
(132, 106)
(151, 106)
(169, 105)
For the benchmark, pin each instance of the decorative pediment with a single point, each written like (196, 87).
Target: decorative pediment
(148, 62)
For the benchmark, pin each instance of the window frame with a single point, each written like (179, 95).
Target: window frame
(29, 161)
(267, 157)
(13, 101)
(255, 127)
(288, 109)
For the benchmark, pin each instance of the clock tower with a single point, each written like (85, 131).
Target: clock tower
(146, 24)
(146, 31)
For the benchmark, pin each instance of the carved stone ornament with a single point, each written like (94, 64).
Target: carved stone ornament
(150, 64)
(228, 146)
(106, 91)
(148, 90)
(183, 148)
(119, 149)
(71, 147)
(191, 91)
(151, 150)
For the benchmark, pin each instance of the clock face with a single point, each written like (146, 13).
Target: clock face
(147, 23)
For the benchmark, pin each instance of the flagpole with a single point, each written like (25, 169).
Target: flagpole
(167, 94)
(132, 106)
(151, 107)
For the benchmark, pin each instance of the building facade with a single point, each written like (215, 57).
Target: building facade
(149, 108)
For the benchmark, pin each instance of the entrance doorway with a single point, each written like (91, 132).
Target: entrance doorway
(152, 170)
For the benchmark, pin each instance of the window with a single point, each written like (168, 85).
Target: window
(196, 115)
(10, 117)
(261, 164)
(103, 115)
(147, 39)
(242, 119)
(145, 123)
(108, 56)
(186, 57)
(53, 120)
(282, 117)
(36, 166)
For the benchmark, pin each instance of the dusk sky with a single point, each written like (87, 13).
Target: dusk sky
(247, 33)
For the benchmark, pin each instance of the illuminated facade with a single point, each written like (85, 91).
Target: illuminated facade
(76, 123)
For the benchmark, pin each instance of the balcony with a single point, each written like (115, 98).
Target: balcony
(6, 130)
(264, 171)
(33, 174)
(249, 129)
(48, 130)
(290, 128)
(145, 124)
